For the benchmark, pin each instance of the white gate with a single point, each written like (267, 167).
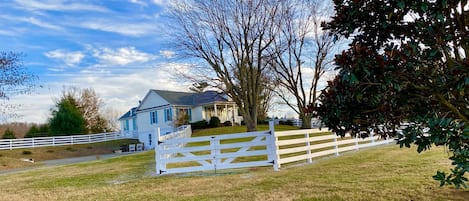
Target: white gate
(215, 152)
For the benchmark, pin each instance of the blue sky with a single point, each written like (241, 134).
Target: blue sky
(117, 47)
(120, 48)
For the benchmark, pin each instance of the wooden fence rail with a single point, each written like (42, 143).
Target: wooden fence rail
(58, 140)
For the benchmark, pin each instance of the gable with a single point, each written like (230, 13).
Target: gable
(152, 100)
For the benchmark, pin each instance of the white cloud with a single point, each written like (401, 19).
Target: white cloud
(69, 58)
(138, 2)
(167, 54)
(58, 5)
(161, 2)
(121, 56)
(119, 92)
(127, 29)
(31, 20)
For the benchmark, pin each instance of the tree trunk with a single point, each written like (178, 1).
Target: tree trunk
(306, 120)
(251, 125)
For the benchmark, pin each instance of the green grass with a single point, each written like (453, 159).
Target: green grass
(11, 159)
(237, 129)
(381, 173)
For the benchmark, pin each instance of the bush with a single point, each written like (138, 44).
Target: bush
(287, 122)
(26, 152)
(227, 123)
(9, 134)
(263, 121)
(199, 125)
(214, 122)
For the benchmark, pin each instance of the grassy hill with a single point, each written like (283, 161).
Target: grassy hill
(380, 173)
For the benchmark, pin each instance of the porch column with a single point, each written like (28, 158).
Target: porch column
(215, 106)
(226, 113)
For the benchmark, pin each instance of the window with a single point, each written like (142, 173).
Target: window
(134, 124)
(154, 117)
(126, 125)
(149, 139)
(168, 114)
(189, 113)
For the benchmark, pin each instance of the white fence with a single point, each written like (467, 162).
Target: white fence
(268, 148)
(58, 140)
(214, 152)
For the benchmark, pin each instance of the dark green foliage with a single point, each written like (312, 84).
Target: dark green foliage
(35, 131)
(8, 134)
(287, 122)
(399, 71)
(227, 123)
(214, 122)
(199, 125)
(67, 119)
(262, 122)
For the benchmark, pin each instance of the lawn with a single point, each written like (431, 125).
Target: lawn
(380, 173)
(10, 159)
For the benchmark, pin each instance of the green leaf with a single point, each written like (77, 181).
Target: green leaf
(401, 4)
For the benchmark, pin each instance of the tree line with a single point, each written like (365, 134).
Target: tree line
(77, 111)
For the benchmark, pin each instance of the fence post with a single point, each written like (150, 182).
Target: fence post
(32, 141)
(308, 151)
(273, 147)
(215, 152)
(158, 154)
(89, 138)
(372, 138)
(11, 144)
(71, 139)
(336, 146)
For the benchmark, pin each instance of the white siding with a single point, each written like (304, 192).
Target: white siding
(197, 114)
(143, 121)
(152, 99)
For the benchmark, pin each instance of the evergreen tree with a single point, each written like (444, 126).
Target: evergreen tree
(32, 131)
(8, 134)
(67, 119)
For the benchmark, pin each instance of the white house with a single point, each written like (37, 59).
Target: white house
(167, 110)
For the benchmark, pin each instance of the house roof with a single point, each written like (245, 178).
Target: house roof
(129, 114)
(187, 98)
(208, 97)
(176, 98)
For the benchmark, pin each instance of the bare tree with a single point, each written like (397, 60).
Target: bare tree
(14, 80)
(302, 48)
(89, 105)
(232, 37)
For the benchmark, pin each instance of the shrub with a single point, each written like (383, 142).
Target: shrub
(9, 134)
(27, 152)
(199, 125)
(263, 121)
(286, 122)
(214, 122)
(227, 123)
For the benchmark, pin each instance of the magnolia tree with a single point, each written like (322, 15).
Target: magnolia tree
(407, 65)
